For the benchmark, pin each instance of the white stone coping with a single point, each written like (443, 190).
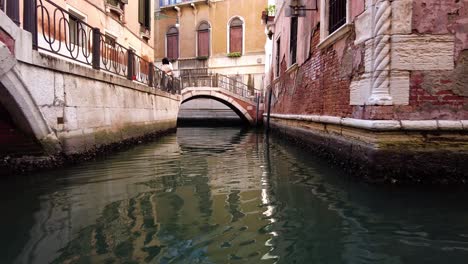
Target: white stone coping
(335, 36)
(380, 125)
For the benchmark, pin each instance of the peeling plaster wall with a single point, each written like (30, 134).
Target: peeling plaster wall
(427, 65)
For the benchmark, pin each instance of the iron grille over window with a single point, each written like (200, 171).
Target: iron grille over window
(337, 15)
(293, 42)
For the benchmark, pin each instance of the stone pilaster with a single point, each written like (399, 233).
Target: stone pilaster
(381, 53)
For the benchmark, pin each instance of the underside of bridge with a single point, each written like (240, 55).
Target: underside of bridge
(205, 112)
(15, 139)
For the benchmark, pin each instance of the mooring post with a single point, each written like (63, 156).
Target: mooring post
(269, 110)
(258, 106)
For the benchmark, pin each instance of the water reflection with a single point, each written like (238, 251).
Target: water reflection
(223, 195)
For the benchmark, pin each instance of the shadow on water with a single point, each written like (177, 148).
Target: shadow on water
(223, 195)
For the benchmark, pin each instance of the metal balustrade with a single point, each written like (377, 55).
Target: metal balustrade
(58, 32)
(163, 3)
(223, 82)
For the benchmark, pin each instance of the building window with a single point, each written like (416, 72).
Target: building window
(116, 8)
(293, 40)
(76, 28)
(203, 39)
(336, 15)
(172, 43)
(235, 35)
(144, 14)
(277, 57)
(110, 40)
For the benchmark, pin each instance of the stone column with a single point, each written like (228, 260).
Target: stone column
(381, 53)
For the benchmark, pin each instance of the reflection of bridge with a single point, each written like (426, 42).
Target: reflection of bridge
(244, 100)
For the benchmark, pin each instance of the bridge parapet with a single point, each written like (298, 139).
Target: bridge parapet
(223, 82)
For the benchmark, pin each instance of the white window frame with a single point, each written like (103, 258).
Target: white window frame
(111, 34)
(228, 28)
(78, 14)
(277, 66)
(290, 63)
(326, 39)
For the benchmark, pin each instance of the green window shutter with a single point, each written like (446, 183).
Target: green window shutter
(141, 12)
(147, 13)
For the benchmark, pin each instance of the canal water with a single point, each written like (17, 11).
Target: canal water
(223, 195)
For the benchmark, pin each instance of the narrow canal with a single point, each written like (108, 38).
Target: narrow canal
(223, 195)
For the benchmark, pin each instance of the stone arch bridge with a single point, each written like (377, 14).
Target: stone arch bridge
(53, 102)
(245, 101)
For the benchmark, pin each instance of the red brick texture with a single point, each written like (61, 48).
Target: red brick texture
(321, 87)
(317, 87)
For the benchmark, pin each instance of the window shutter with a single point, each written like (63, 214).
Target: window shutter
(235, 42)
(172, 46)
(147, 14)
(203, 43)
(141, 12)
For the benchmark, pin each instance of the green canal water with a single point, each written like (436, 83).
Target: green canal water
(223, 195)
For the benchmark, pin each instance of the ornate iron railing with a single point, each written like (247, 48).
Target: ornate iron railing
(63, 33)
(60, 32)
(221, 81)
(141, 70)
(114, 57)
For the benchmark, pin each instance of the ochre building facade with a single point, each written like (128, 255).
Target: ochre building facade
(223, 36)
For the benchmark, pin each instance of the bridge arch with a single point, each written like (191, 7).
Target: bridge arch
(17, 100)
(222, 96)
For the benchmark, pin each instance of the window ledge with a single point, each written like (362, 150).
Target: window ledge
(335, 36)
(292, 68)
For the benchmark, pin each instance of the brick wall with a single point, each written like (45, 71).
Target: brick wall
(317, 87)
(321, 86)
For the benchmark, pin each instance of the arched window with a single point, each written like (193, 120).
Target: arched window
(235, 35)
(203, 33)
(172, 40)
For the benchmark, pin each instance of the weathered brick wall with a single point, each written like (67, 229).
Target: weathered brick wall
(321, 86)
(317, 87)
